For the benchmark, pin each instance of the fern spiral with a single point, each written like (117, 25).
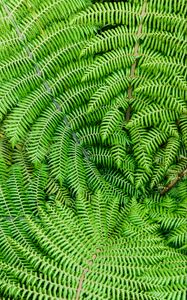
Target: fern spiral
(93, 149)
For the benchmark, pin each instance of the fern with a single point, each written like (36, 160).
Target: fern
(170, 213)
(108, 13)
(93, 149)
(136, 55)
(76, 255)
(154, 45)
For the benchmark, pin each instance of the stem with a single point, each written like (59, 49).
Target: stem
(90, 262)
(134, 65)
(170, 185)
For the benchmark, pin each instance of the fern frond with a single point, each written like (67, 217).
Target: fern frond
(64, 246)
(101, 156)
(171, 151)
(154, 139)
(118, 180)
(5, 157)
(183, 126)
(18, 201)
(95, 179)
(59, 152)
(58, 35)
(83, 206)
(165, 21)
(57, 59)
(142, 178)
(47, 12)
(76, 173)
(20, 158)
(93, 99)
(158, 174)
(77, 96)
(107, 63)
(12, 91)
(57, 192)
(114, 85)
(173, 45)
(174, 70)
(111, 39)
(178, 7)
(112, 215)
(111, 121)
(120, 156)
(15, 65)
(108, 13)
(99, 216)
(36, 188)
(69, 76)
(25, 114)
(40, 137)
(89, 135)
(152, 116)
(138, 136)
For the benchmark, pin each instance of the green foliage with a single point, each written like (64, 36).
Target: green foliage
(170, 213)
(93, 149)
(111, 56)
(75, 253)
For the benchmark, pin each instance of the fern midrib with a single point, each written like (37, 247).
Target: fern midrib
(136, 50)
(81, 281)
(174, 181)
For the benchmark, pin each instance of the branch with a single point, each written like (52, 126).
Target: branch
(170, 185)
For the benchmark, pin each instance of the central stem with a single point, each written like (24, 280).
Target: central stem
(90, 262)
(134, 65)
